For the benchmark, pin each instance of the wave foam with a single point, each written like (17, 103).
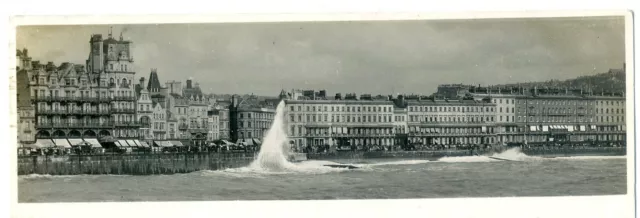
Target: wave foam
(589, 157)
(466, 159)
(402, 162)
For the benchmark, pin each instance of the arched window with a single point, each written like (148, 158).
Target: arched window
(111, 81)
(124, 81)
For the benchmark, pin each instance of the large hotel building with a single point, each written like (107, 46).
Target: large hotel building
(72, 101)
(340, 122)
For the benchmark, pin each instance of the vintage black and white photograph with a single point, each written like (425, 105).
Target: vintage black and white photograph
(323, 110)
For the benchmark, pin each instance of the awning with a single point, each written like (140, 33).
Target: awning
(248, 141)
(132, 143)
(44, 143)
(137, 143)
(62, 143)
(143, 144)
(257, 141)
(28, 145)
(75, 142)
(570, 128)
(122, 143)
(177, 143)
(94, 143)
(545, 128)
(532, 128)
(225, 142)
(245, 141)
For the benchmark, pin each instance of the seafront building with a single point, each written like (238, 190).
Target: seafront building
(250, 119)
(543, 115)
(434, 121)
(213, 132)
(175, 113)
(459, 116)
(340, 122)
(26, 111)
(72, 103)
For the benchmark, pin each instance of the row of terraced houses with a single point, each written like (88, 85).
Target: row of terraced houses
(458, 115)
(60, 105)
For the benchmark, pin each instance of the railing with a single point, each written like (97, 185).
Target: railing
(145, 125)
(452, 134)
(123, 111)
(72, 99)
(131, 124)
(74, 125)
(349, 135)
(73, 112)
(124, 98)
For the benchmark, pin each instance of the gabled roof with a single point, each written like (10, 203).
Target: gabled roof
(176, 96)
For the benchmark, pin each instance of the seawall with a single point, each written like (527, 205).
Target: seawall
(131, 164)
(160, 163)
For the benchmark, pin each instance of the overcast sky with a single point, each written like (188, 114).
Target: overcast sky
(378, 57)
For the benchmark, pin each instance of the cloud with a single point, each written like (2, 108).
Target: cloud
(379, 57)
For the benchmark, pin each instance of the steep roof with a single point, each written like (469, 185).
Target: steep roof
(154, 82)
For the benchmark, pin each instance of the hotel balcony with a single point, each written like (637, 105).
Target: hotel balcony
(73, 112)
(127, 124)
(339, 135)
(72, 99)
(183, 127)
(63, 125)
(123, 111)
(420, 134)
(124, 98)
(198, 130)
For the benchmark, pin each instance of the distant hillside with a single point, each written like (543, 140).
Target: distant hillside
(612, 81)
